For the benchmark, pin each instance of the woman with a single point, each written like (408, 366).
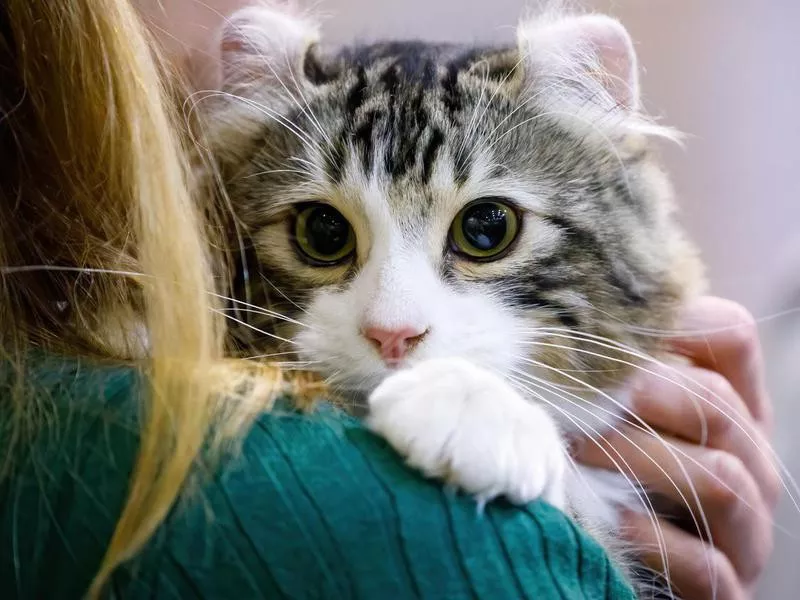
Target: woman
(99, 238)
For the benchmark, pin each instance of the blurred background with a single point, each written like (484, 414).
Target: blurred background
(726, 72)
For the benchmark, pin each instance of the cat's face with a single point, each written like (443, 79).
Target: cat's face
(408, 201)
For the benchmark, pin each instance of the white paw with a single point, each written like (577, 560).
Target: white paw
(458, 422)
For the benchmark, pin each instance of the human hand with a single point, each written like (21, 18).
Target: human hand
(733, 473)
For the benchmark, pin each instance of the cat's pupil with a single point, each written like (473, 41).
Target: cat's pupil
(485, 225)
(327, 230)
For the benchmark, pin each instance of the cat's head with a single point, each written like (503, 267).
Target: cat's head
(408, 200)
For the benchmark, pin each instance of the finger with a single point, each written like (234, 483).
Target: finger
(689, 402)
(713, 485)
(694, 569)
(726, 341)
(701, 406)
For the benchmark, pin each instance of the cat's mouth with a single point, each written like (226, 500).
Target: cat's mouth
(396, 364)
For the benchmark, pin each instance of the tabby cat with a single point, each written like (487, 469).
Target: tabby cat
(473, 241)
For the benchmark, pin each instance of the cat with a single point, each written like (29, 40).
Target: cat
(474, 240)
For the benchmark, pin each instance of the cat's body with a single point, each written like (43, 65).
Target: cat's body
(476, 241)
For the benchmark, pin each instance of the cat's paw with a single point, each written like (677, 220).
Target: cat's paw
(461, 423)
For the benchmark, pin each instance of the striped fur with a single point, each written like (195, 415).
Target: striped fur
(399, 136)
(396, 113)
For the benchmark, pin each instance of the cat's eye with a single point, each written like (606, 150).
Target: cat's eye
(323, 236)
(484, 229)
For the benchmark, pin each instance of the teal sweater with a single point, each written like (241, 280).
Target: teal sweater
(311, 507)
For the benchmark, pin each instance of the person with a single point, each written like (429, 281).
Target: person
(101, 236)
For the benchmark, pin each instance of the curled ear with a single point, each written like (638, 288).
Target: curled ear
(265, 60)
(588, 55)
(266, 48)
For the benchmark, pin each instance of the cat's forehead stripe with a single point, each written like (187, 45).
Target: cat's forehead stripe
(402, 105)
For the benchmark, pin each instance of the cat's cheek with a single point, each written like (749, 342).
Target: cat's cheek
(330, 340)
(455, 421)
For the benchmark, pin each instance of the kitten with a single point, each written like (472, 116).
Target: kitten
(476, 240)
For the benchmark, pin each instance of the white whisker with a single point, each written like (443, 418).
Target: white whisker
(300, 133)
(781, 470)
(271, 355)
(307, 110)
(647, 428)
(273, 172)
(637, 488)
(494, 94)
(594, 128)
(249, 326)
(284, 296)
(705, 528)
(265, 312)
(522, 105)
(471, 123)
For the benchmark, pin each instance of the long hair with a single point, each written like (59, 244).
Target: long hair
(104, 249)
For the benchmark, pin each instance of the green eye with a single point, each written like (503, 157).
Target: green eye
(484, 229)
(323, 236)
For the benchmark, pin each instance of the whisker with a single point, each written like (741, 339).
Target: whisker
(260, 356)
(682, 453)
(680, 333)
(31, 268)
(522, 105)
(310, 112)
(637, 488)
(261, 309)
(303, 161)
(643, 424)
(597, 130)
(249, 326)
(652, 432)
(265, 312)
(469, 127)
(491, 99)
(300, 133)
(134, 274)
(294, 365)
(781, 470)
(706, 529)
(668, 447)
(284, 296)
(272, 172)
(553, 387)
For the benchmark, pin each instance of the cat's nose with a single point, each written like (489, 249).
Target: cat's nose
(394, 344)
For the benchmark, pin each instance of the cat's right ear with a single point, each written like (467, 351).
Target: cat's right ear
(264, 51)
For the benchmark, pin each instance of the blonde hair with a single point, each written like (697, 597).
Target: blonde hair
(96, 186)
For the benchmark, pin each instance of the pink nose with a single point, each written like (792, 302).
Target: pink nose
(394, 344)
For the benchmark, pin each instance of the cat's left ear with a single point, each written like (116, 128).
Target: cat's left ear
(589, 55)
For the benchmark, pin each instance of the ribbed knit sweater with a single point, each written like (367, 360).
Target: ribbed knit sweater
(311, 506)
